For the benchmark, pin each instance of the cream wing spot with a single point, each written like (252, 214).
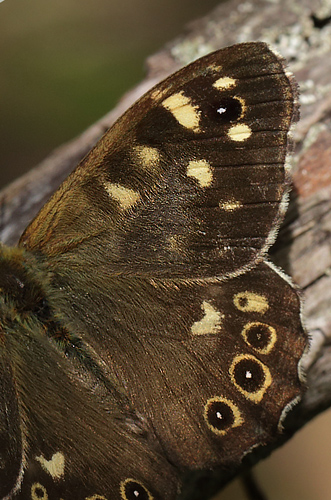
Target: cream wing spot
(181, 107)
(126, 197)
(201, 171)
(251, 302)
(147, 156)
(239, 132)
(210, 323)
(54, 466)
(38, 492)
(230, 205)
(224, 83)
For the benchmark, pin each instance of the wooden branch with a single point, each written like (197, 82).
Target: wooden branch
(302, 34)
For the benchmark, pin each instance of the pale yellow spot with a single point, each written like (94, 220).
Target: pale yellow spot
(224, 83)
(251, 302)
(181, 107)
(255, 396)
(231, 205)
(54, 466)
(125, 196)
(210, 323)
(36, 490)
(147, 156)
(272, 336)
(239, 132)
(201, 171)
(237, 418)
(124, 483)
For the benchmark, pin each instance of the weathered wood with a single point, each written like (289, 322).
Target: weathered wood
(301, 32)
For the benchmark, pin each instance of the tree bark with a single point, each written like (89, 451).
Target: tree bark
(301, 31)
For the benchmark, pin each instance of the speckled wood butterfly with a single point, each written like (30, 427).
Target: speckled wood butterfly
(143, 331)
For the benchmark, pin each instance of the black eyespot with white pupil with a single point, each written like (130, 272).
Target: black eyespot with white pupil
(249, 375)
(220, 415)
(133, 490)
(228, 109)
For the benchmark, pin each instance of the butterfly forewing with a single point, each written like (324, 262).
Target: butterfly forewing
(177, 186)
(143, 332)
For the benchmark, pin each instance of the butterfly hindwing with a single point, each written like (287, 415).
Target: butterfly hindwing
(188, 342)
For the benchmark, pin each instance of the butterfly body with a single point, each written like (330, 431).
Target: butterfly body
(143, 332)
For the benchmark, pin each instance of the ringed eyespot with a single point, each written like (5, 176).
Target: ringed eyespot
(221, 414)
(131, 489)
(259, 336)
(38, 492)
(250, 376)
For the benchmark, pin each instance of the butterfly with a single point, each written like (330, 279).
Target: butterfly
(143, 331)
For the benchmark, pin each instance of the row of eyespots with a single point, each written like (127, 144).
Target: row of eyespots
(130, 489)
(258, 335)
(252, 378)
(39, 492)
(249, 375)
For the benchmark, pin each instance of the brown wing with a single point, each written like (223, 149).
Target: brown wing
(190, 182)
(179, 346)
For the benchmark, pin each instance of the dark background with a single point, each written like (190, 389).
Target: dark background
(64, 64)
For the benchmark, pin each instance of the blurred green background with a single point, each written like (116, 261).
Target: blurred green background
(64, 64)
